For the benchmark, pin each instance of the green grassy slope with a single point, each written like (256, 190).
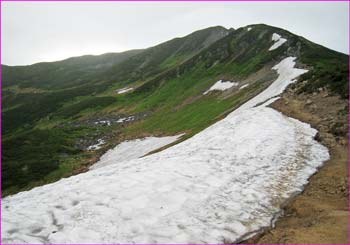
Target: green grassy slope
(42, 129)
(64, 73)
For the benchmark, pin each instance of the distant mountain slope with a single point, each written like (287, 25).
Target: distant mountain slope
(64, 73)
(245, 52)
(166, 55)
(167, 96)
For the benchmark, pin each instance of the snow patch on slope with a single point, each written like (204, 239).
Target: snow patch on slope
(126, 119)
(244, 86)
(287, 73)
(133, 149)
(123, 90)
(103, 122)
(96, 146)
(278, 41)
(223, 183)
(221, 85)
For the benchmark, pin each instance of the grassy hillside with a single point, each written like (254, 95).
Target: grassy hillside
(62, 74)
(328, 69)
(46, 130)
(166, 55)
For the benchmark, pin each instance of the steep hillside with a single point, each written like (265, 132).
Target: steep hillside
(168, 92)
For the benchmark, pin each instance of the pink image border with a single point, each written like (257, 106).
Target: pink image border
(198, 1)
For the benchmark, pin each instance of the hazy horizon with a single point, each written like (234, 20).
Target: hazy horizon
(34, 32)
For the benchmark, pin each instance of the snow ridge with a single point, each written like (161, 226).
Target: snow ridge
(223, 183)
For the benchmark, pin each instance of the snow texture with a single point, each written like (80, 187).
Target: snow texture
(221, 85)
(278, 41)
(249, 28)
(133, 149)
(124, 90)
(221, 185)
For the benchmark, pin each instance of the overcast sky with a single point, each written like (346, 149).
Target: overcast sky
(37, 31)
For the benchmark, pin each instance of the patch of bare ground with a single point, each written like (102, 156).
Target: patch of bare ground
(320, 213)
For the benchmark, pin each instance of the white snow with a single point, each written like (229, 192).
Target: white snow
(125, 119)
(124, 90)
(103, 122)
(287, 73)
(96, 146)
(133, 149)
(220, 185)
(249, 28)
(278, 41)
(244, 86)
(221, 85)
